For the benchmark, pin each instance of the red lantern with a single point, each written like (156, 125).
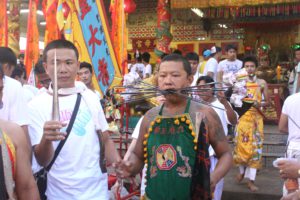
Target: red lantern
(129, 6)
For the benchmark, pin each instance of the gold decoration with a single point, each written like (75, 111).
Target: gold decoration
(14, 25)
(224, 3)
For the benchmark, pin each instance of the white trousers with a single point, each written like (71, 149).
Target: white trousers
(248, 172)
(219, 187)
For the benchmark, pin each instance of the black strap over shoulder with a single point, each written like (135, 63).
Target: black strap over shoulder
(69, 128)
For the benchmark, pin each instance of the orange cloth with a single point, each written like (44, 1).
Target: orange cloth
(11, 151)
(32, 47)
(3, 24)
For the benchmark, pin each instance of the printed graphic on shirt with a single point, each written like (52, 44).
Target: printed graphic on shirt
(166, 157)
(82, 119)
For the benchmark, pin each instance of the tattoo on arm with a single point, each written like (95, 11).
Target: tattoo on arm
(215, 129)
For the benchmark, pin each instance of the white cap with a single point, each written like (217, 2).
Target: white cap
(213, 49)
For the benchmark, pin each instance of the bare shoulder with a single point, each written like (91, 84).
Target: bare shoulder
(14, 131)
(198, 107)
(151, 114)
(261, 81)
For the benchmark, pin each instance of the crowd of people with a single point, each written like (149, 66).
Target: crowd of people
(180, 146)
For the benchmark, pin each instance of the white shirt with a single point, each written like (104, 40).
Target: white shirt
(136, 130)
(290, 109)
(223, 117)
(211, 66)
(29, 92)
(14, 103)
(229, 67)
(147, 70)
(135, 135)
(297, 71)
(139, 67)
(196, 76)
(76, 173)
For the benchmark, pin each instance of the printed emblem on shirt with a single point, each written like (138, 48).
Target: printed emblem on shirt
(166, 157)
(84, 116)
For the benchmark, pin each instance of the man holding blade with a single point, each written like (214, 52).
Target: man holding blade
(75, 173)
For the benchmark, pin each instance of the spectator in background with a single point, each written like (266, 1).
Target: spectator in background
(148, 68)
(14, 104)
(138, 67)
(193, 59)
(30, 91)
(177, 51)
(85, 75)
(230, 65)
(211, 66)
(227, 116)
(21, 60)
(206, 55)
(289, 123)
(294, 79)
(129, 61)
(16, 179)
(42, 77)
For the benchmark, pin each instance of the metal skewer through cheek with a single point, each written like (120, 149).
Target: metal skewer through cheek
(55, 104)
(163, 92)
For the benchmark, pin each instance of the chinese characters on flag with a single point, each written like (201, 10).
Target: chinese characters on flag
(143, 44)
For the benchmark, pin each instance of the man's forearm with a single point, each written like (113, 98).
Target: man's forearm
(223, 166)
(111, 153)
(230, 113)
(29, 192)
(138, 164)
(44, 152)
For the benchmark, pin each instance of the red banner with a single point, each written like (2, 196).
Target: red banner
(185, 48)
(51, 31)
(3, 24)
(32, 46)
(143, 44)
(204, 46)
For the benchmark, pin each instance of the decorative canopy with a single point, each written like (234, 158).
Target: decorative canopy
(224, 3)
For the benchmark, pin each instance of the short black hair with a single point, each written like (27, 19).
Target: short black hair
(86, 65)
(230, 46)
(179, 58)
(129, 57)
(146, 57)
(39, 68)
(177, 51)
(18, 71)
(137, 57)
(8, 56)
(21, 55)
(59, 44)
(250, 59)
(206, 79)
(163, 55)
(218, 49)
(1, 71)
(192, 56)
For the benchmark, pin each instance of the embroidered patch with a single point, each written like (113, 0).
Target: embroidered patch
(166, 157)
(153, 171)
(186, 170)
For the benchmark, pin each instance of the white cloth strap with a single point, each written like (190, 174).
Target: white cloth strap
(85, 92)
